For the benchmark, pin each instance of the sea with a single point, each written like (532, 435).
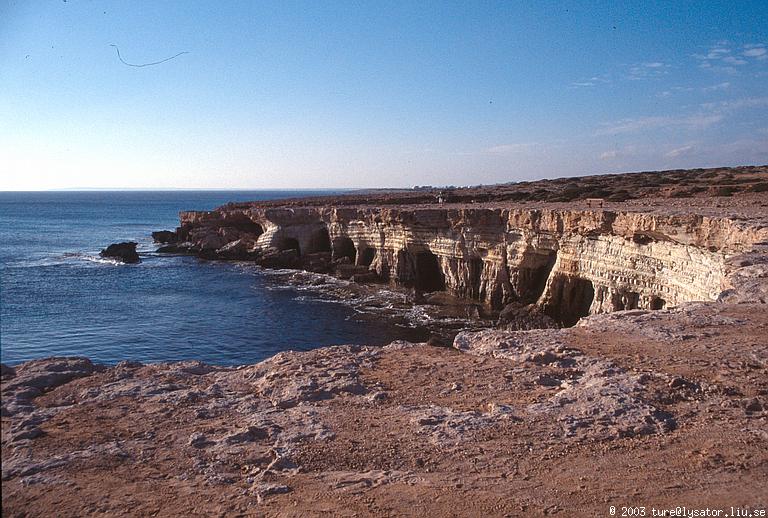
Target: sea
(58, 297)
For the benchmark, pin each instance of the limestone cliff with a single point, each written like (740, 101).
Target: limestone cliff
(570, 263)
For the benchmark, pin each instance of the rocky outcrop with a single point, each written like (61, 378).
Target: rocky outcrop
(124, 252)
(519, 317)
(680, 392)
(595, 397)
(164, 236)
(568, 263)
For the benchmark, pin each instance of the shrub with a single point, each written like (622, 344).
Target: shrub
(620, 196)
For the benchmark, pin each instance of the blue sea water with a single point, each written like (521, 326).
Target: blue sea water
(58, 297)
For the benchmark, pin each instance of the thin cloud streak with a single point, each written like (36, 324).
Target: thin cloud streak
(650, 70)
(712, 114)
(647, 123)
(592, 81)
(680, 151)
(509, 149)
(723, 57)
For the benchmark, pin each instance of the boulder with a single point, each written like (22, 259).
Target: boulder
(125, 252)
(519, 317)
(273, 258)
(211, 241)
(237, 250)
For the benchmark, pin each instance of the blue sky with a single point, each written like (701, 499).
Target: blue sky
(356, 94)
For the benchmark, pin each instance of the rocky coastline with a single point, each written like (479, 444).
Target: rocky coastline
(554, 262)
(628, 366)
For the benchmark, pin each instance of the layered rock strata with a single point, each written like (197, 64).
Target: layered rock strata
(569, 263)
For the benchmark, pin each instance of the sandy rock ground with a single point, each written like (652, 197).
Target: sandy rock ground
(657, 409)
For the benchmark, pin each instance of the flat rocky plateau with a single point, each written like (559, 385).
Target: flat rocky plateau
(658, 408)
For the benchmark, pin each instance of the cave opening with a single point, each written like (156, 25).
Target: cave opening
(657, 303)
(367, 256)
(429, 277)
(320, 241)
(290, 243)
(344, 247)
(570, 298)
(627, 300)
(244, 223)
(532, 281)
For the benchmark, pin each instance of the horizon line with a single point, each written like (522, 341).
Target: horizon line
(325, 189)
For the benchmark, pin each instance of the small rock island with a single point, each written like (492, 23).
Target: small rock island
(123, 252)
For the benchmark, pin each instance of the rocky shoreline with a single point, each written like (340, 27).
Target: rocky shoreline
(628, 367)
(535, 264)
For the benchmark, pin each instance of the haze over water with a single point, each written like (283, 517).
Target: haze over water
(59, 298)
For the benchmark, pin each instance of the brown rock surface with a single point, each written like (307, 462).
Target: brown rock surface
(661, 408)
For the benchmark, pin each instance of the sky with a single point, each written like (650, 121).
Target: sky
(347, 94)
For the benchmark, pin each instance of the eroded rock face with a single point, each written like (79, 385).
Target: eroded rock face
(569, 263)
(288, 378)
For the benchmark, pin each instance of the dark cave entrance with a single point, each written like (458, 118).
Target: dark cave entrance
(290, 243)
(367, 256)
(532, 280)
(244, 223)
(320, 242)
(657, 303)
(344, 247)
(538, 279)
(429, 277)
(569, 299)
(627, 300)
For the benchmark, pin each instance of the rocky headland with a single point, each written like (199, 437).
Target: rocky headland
(628, 366)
